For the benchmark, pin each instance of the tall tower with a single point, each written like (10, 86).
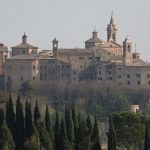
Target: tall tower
(112, 30)
(24, 39)
(55, 48)
(127, 51)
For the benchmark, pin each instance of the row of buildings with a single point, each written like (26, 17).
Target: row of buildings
(100, 60)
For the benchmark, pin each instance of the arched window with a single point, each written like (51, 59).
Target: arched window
(129, 48)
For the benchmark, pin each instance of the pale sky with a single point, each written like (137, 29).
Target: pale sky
(72, 21)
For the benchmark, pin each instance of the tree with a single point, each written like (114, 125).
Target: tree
(89, 125)
(33, 143)
(19, 126)
(48, 122)
(6, 140)
(57, 132)
(29, 127)
(69, 126)
(147, 138)
(131, 125)
(65, 145)
(9, 85)
(96, 138)
(10, 115)
(111, 135)
(26, 89)
(37, 115)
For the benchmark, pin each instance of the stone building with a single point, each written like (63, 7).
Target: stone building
(100, 60)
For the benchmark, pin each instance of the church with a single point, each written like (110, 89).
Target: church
(100, 60)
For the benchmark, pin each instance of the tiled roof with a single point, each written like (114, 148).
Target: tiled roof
(25, 45)
(94, 40)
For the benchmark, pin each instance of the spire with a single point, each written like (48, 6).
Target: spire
(24, 39)
(112, 19)
(94, 33)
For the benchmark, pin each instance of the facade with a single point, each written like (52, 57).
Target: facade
(100, 60)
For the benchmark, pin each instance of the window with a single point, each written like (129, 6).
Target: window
(5, 56)
(148, 75)
(41, 77)
(138, 82)
(33, 77)
(119, 76)
(62, 66)
(148, 82)
(138, 75)
(81, 66)
(9, 67)
(99, 78)
(99, 72)
(67, 74)
(119, 68)
(109, 78)
(109, 72)
(21, 78)
(62, 74)
(128, 82)
(33, 67)
(21, 67)
(81, 57)
(128, 76)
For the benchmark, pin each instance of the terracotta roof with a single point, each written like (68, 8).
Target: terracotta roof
(94, 40)
(30, 57)
(25, 45)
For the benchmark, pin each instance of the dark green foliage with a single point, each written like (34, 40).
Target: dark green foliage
(57, 132)
(10, 115)
(9, 85)
(6, 140)
(83, 137)
(95, 136)
(74, 117)
(26, 89)
(89, 125)
(129, 125)
(65, 145)
(111, 135)
(33, 143)
(48, 124)
(29, 127)
(19, 127)
(147, 138)
(37, 115)
(45, 139)
(69, 126)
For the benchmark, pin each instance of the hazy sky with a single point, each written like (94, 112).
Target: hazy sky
(72, 21)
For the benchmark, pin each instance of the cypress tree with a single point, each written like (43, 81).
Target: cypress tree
(48, 122)
(37, 115)
(6, 139)
(69, 126)
(65, 145)
(10, 115)
(29, 127)
(75, 123)
(74, 117)
(111, 135)
(147, 138)
(89, 124)
(57, 132)
(19, 127)
(96, 138)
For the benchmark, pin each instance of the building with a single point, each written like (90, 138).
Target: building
(100, 60)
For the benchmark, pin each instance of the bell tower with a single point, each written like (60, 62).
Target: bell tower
(127, 51)
(24, 39)
(55, 48)
(112, 30)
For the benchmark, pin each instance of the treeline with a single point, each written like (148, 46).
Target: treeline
(25, 129)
